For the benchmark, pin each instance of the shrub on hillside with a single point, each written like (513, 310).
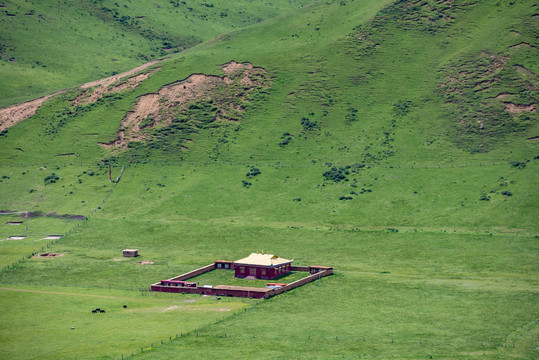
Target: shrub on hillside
(403, 108)
(484, 197)
(518, 164)
(309, 125)
(51, 179)
(253, 172)
(338, 174)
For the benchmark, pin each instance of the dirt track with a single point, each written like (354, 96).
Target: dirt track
(14, 114)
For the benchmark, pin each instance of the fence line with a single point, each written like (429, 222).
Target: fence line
(336, 337)
(68, 232)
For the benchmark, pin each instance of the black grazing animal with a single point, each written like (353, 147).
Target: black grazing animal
(102, 311)
(94, 311)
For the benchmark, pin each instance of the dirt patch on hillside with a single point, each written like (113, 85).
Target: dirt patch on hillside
(145, 262)
(517, 108)
(33, 214)
(201, 99)
(111, 85)
(14, 114)
(502, 95)
(520, 45)
(112, 79)
(48, 255)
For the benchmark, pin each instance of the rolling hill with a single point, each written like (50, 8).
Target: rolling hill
(393, 140)
(50, 45)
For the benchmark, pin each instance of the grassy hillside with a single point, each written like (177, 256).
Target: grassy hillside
(52, 45)
(394, 141)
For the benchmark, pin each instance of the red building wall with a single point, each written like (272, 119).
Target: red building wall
(260, 272)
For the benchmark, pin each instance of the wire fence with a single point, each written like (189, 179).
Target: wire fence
(458, 344)
(71, 230)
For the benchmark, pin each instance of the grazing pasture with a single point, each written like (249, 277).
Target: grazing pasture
(393, 141)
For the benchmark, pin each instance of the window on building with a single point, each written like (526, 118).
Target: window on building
(242, 269)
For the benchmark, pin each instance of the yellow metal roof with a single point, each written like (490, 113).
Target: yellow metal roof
(263, 260)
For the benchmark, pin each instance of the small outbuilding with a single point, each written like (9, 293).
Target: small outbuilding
(130, 252)
(261, 266)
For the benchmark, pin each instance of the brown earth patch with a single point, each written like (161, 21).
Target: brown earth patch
(14, 114)
(160, 109)
(48, 255)
(502, 95)
(112, 85)
(518, 46)
(114, 78)
(518, 108)
(145, 262)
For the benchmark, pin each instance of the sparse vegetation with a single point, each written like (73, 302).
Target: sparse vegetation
(51, 179)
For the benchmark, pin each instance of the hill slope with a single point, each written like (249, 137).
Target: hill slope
(52, 45)
(393, 141)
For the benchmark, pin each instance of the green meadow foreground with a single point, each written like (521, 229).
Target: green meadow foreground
(395, 142)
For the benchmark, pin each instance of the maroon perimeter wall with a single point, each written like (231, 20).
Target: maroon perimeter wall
(315, 272)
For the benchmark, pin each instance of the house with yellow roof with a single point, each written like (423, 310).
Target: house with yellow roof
(261, 266)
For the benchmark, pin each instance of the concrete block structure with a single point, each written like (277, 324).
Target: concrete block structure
(130, 252)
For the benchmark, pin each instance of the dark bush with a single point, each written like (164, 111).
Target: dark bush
(285, 139)
(335, 174)
(518, 164)
(51, 179)
(403, 108)
(308, 124)
(253, 172)
(484, 197)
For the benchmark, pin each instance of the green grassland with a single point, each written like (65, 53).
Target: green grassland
(226, 277)
(63, 325)
(51, 45)
(381, 147)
